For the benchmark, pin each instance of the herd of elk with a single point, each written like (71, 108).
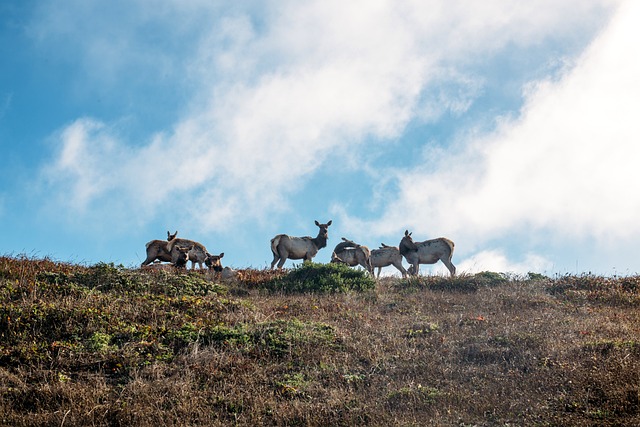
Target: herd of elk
(179, 251)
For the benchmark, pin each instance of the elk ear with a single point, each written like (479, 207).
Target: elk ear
(317, 223)
(406, 232)
(221, 254)
(329, 223)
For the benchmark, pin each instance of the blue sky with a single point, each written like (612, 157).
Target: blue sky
(510, 128)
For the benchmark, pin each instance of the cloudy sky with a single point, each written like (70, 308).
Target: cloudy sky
(511, 128)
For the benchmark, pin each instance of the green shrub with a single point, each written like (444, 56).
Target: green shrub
(192, 283)
(536, 277)
(490, 278)
(106, 277)
(613, 291)
(322, 278)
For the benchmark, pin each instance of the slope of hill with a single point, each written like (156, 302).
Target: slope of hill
(318, 345)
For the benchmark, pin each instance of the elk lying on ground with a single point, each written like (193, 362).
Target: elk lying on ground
(228, 273)
(157, 250)
(427, 252)
(387, 255)
(286, 247)
(352, 254)
(160, 266)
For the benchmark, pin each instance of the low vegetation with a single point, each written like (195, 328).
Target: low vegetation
(315, 345)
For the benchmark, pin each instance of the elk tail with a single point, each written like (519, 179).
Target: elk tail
(274, 244)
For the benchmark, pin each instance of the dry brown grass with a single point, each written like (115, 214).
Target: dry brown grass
(105, 345)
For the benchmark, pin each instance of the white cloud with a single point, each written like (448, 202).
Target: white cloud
(273, 102)
(569, 160)
(92, 163)
(567, 164)
(496, 260)
(78, 164)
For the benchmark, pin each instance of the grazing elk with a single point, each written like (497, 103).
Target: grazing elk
(180, 261)
(167, 251)
(157, 250)
(305, 248)
(387, 255)
(197, 254)
(427, 252)
(352, 254)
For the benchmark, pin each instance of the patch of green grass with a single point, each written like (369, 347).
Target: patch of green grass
(420, 330)
(460, 283)
(606, 346)
(412, 395)
(99, 342)
(290, 337)
(293, 385)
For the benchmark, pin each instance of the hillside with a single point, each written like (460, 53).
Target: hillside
(106, 345)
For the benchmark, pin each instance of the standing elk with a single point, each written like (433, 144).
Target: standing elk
(168, 251)
(387, 255)
(352, 254)
(427, 252)
(286, 247)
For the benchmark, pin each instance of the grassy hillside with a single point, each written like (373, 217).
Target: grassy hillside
(319, 345)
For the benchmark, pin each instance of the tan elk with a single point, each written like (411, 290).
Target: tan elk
(286, 247)
(387, 255)
(352, 254)
(427, 252)
(157, 250)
